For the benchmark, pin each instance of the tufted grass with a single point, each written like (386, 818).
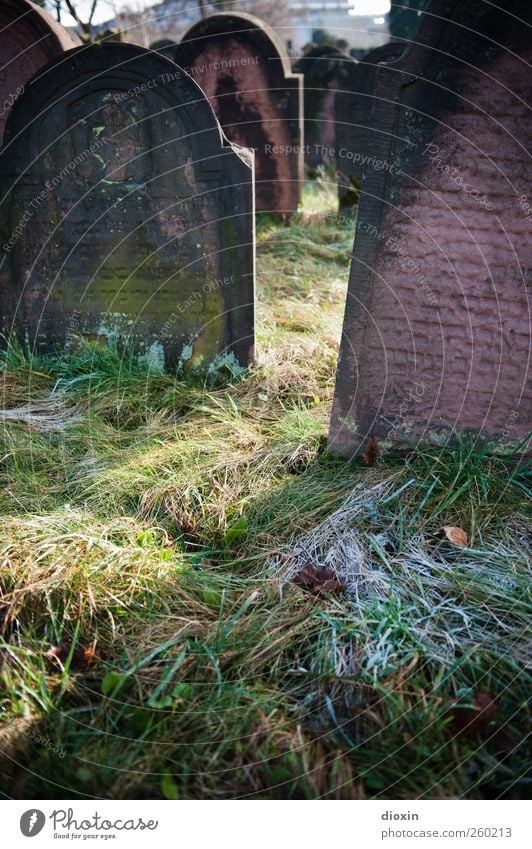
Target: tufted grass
(149, 529)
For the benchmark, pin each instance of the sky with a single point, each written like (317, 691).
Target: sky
(106, 8)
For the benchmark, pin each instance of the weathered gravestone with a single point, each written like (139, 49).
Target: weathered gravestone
(29, 38)
(325, 69)
(353, 107)
(245, 72)
(127, 216)
(436, 333)
(165, 46)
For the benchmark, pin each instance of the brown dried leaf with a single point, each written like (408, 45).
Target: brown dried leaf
(82, 656)
(370, 455)
(319, 579)
(472, 719)
(456, 535)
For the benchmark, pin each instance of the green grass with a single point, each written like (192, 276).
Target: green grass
(150, 528)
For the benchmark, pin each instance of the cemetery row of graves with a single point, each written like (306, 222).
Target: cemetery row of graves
(261, 538)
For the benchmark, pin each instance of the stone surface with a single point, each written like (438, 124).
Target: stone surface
(29, 39)
(437, 325)
(245, 72)
(324, 69)
(353, 107)
(164, 46)
(128, 216)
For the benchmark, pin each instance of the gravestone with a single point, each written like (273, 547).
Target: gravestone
(436, 335)
(128, 217)
(165, 46)
(245, 72)
(353, 107)
(325, 69)
(29, 39)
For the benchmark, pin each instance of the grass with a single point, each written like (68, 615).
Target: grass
(153, 644)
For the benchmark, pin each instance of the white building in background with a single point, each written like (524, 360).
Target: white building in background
(145, 23)
(363, 32)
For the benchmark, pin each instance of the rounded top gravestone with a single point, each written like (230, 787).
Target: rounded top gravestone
(165, 46)
(29, 38)
(325, 68)
(353, 108)
(128, 217)
(244, 70)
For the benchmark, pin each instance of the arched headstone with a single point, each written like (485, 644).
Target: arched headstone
(244, 70)
(29, 39)
(353, 108)
(165, 46)
(436, 335)
(127, 216)
(325, 69)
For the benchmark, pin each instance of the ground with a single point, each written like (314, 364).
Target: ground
(154, 643)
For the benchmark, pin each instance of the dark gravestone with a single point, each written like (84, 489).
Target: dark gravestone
(128, 218)
(353, 107)
(436, 333)
(164, 46)
(29, 39)
(324, 69)
(245, 72)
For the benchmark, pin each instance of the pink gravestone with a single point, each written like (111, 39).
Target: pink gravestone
(436, 334)
(244, 70)
(29, 38)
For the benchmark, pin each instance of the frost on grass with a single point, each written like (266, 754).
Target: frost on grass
(48, 414)
(408, 590)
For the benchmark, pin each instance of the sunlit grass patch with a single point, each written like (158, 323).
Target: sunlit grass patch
(151, 629)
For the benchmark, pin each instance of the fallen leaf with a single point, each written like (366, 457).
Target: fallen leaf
(456, 535)
(318, 578)
(370, 455)
(470, 719)
(82, 656)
